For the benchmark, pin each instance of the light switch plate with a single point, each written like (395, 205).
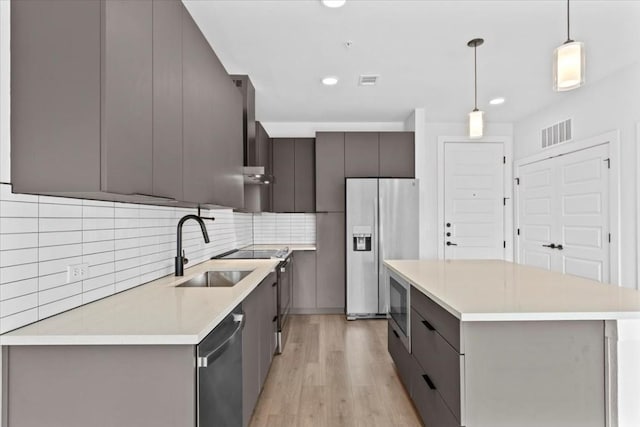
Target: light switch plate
(77, 272)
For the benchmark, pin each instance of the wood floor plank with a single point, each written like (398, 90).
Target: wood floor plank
(334, 373)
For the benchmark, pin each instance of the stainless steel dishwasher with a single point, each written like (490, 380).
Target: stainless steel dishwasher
(220, 374)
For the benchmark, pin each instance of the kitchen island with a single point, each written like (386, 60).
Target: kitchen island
(496, 344)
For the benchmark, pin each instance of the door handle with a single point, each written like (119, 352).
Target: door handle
(430, 383)
(451, 244)
(552, 246)
(560, 247)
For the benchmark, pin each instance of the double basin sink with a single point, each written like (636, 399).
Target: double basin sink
(216, 279)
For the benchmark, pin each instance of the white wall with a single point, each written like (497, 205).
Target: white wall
(309, 129)
(610, 104)
(427, 169)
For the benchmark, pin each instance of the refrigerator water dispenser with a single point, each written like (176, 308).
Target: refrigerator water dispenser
(361, 238)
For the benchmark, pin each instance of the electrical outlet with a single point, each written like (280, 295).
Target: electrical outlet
(77, 272)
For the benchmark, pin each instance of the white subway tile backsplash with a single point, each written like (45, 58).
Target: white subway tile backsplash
(18, 289)
(18, 225)
(124, 244)
(18, 241)
(18, 256)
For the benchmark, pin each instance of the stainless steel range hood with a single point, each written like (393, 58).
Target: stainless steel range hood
(256, 175)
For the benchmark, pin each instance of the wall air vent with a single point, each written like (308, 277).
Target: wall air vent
(557, 133)
(368, 80)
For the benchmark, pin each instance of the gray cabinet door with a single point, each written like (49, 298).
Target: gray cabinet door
(397, 155)
(127, 97)
(361, 154)
(330, 269)
(55, 103)
(167, 99)
(283, 188)
(264, 158)
(305, 176)
(330, 172)
(304, 280)
(251, 307)
(267, 335)
(198, 90)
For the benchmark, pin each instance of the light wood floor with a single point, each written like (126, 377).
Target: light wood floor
(334, 373)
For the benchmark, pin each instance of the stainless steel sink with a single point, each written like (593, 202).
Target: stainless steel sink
(216, 279)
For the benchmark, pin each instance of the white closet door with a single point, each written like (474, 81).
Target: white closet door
(563, 201)
(537, 219)
(473, 195)
(584, 213)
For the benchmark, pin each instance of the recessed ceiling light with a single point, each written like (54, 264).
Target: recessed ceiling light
(334, 3)
(497, 101)
(330, 81)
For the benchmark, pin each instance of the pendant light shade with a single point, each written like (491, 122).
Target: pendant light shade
(568, 63)
(476, 124)
(476, 117)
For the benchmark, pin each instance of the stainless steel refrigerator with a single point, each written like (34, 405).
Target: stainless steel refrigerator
(381, 223)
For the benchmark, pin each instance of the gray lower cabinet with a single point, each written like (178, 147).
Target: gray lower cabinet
(257, 343)
(361, 154)
(397, 155)
(121, 100)
(330, 187)
(330, 270)
(304, 282)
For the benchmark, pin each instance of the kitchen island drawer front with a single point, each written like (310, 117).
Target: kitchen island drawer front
(429, 403)
(439, 360)
(444, 322)
(401, 358)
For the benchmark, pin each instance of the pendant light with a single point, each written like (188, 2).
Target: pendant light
(476, 120)
(568, 63)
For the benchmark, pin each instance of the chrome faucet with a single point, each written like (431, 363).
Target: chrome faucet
(181, 260)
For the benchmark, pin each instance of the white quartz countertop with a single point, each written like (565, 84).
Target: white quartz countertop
(157, 313)
(495, 290)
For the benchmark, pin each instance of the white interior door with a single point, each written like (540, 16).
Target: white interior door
(473, 200)
(563, 213)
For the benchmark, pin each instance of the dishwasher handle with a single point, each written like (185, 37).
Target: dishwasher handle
(204, 361)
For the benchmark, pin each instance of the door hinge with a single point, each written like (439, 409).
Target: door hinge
(609, 237)
(518, 231)
(608, 163)
(504, 201)
(504, 244)
(517, 181)
(504, 160)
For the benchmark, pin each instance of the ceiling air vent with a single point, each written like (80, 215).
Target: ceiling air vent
(368, 80)
(557, 133)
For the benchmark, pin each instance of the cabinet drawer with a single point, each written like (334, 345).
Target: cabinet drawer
(440, 361)
(428, 402)
(444, 322)
(401, 358)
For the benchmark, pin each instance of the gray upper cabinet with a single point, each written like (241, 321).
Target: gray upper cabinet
(293, 189)
(55, 104)
(283, 187)
(361, 153)
(330, 172)
(397, 155)
(305, 183)
(330, 255)
(117, 99)
(167, 99)
(127, 97)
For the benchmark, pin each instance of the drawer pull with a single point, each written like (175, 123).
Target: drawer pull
(428, 325)
(395, 333)
(275, 318)
(430, 383)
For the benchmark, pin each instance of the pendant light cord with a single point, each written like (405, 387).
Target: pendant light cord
(475, 78)
(568, 25)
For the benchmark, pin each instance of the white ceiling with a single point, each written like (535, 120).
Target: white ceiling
(417, 47)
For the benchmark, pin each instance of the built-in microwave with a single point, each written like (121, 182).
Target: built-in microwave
(400, 307)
